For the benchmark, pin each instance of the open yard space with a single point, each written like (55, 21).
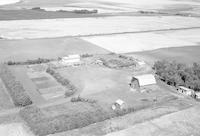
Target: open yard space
(20, 29)
(5, 99)
(107, 85)
(146, 41)
(22, 50)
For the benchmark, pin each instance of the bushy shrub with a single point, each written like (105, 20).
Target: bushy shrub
(15, 89)
(176, 74)
(70, 88)
(80, 99)
(29, 62)
(86, 55)
(85, 11)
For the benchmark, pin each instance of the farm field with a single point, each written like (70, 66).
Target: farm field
(22, 50)
(146, 41)
(188, 54)
(49, 28)
(107, 6)
(29, 14)
(72, 62)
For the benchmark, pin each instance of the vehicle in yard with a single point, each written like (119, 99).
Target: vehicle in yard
(118, 104)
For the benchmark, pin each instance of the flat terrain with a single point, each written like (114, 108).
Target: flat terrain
(107, 85)
(111, 5)
(20, 29)
(147, 30)
(186, 55)
(22, 50)
(28, 14)
(137, 42)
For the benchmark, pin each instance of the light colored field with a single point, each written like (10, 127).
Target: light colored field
(4, 2)
(91, 26)
(22, 50)
(124, 43)
(15, 129)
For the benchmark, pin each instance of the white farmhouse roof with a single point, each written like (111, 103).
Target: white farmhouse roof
(119, 101)
(147, 79)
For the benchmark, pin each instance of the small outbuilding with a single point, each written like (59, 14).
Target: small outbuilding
(185, 90)
(98, 62)
(118, 104)
(142, 80)
(197, 95)
(71, 59)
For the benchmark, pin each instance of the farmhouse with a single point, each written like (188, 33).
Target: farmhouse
(185, 90)
(71, 59)
(137, 82)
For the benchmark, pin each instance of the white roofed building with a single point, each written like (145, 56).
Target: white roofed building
(185, 90)
(142, 80)
(70, 59)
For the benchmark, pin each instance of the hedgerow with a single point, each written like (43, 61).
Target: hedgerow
(29, 62)
(14, 88)
(70, 88)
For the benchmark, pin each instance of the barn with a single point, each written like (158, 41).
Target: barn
(142, 80)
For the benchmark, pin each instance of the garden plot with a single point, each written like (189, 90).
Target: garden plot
(124, 43)
(20, 29)
(46, 85)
